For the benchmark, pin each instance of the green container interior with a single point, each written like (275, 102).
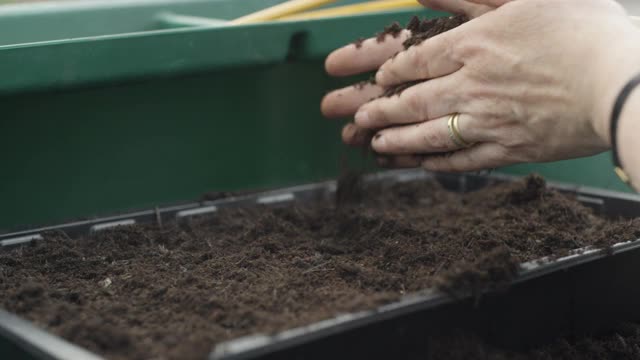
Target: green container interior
(105, 108)
(51, 20)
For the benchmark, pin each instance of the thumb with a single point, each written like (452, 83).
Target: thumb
(465, 7)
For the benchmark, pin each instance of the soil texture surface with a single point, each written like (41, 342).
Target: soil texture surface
(394, 30)
(621, 343)
(421, 30)
(173, 292)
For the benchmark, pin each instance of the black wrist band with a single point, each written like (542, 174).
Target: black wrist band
(615, 116)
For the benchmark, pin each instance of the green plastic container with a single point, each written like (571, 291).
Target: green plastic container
(107, 106)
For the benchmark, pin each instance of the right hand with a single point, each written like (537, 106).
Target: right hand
(351, 60)
(587, 49)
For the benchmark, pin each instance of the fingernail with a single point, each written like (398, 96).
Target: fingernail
(379, 76)
(378, 141)
(362, 117)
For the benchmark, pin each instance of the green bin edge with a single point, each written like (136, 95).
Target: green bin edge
(102, 123)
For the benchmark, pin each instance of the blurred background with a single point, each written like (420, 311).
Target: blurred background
(632, 5)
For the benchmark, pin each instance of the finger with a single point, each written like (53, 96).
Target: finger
(431, 59)
(356, 136)
(429, 137)
(400, 161)
(424, 101)
(493, 3)
(465, 7)
(351, 59)
(346, 101)
(476, 158)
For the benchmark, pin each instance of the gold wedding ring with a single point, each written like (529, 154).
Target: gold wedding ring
(454, 131)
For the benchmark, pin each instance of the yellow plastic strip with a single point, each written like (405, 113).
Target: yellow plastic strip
(280, 10)
(622, 175)
(354, 9)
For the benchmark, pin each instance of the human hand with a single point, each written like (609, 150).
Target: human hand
(533, 81)
(369, 56)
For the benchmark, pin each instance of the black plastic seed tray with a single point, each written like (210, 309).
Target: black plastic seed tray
(589, 290)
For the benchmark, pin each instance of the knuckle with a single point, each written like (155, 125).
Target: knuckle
(463, 49)
(375, 115)
(520, 150)
(393, 73)
(436, 140)
(380, 116)
(517, 139)
(456, 166)
(433, 164)
(506, 136)
(456, 50)
(452, 49)
(416, 65)
(502, 125)
(479, 90)
(515, 142)
(414, 102)
(424, 67)
(505, 154)
(531, 154)
(393, 143)
(413, 59)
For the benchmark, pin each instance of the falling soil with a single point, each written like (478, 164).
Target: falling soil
(174, 292)
(350, 189)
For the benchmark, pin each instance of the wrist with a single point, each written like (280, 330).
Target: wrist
(627, 129)
(618, 64)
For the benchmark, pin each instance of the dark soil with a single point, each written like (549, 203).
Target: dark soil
(622, 343)
(350, 189)
(422, 30)
(394, 30)
(174, 292)
(358, 42)
(370, 81)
